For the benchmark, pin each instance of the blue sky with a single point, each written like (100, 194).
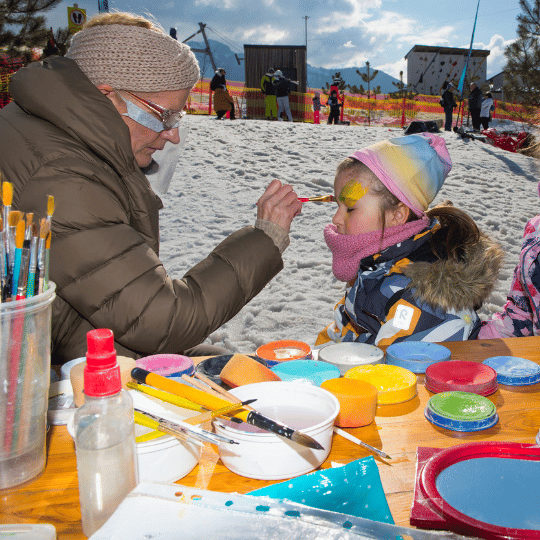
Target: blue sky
(340, 33)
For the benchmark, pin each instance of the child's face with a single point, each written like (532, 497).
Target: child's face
(358, 207)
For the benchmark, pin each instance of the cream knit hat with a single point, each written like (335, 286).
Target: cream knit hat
(133, 58)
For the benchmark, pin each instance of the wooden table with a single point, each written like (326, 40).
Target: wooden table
(398, 430)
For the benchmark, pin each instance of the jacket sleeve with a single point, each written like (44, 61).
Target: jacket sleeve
(111, 275)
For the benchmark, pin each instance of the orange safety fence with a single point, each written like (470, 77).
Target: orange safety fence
(379, 110)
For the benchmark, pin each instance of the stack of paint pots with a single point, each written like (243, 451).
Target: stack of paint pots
(514, 371)
(416, 356)
(462, 376)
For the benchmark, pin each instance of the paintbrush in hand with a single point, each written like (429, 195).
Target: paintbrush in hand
(211, 402)
(318, 198)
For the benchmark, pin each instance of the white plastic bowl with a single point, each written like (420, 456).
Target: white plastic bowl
(166, 459)
(347, 355)
(265, 455)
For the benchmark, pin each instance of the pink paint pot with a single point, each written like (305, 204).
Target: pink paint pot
(461, 376)
(167, 365)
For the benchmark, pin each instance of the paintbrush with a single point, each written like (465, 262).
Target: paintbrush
(353, 439)
(318, 198)
(204, 417)
(180, 427)
(164, 396)
(17, 262)
(32, 265)
(201, 386)
(212, 402)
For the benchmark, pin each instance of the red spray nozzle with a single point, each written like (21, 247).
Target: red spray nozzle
(102, 372)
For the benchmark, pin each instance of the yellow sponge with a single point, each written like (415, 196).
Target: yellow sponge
(242, 369)
(357, 401)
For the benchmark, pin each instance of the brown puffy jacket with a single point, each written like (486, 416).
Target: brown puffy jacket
(222, 100)
(63, 137)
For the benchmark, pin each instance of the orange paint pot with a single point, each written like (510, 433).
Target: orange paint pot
(357, 401)
(284, 350)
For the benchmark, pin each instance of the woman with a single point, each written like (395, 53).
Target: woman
(485, 111)
(80, 128)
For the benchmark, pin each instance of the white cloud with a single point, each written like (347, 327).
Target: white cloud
(348, 45)
(496, 59)
(267, 35)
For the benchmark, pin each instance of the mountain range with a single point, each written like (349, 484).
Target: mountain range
(317, 77)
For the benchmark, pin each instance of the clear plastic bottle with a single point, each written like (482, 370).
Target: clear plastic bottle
(104, 435)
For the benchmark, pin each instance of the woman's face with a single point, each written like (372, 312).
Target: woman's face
(144, 141)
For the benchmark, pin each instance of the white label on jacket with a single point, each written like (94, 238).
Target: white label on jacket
(403, 317)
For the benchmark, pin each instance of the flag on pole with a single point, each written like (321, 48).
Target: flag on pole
(462, 78)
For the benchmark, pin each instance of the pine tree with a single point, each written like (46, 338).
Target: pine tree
(403, 91)
(522, 73)
(336, 80)
(367, 78)
(22, 26)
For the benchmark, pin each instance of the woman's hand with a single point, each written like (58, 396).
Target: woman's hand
(279, 204)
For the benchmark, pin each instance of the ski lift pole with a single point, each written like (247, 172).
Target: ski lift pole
(403, 110)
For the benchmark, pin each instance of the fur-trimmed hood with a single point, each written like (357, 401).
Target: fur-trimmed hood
(460, 284)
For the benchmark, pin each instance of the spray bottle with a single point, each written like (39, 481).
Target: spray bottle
(104, 435)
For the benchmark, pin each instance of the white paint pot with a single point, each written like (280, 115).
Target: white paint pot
(267, 456)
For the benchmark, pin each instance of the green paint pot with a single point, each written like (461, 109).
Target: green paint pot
(461, 411)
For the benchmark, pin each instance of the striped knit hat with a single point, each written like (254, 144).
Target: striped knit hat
(413, 167)
(133, 58)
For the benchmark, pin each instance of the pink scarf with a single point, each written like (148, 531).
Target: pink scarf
(348, 250)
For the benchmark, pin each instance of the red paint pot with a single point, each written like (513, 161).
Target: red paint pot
(461, 376)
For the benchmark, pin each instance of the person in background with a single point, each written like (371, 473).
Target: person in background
(223, 103)
(218, 80)
(335, 107)
(316, 107)
(269, 91)
(486, 110)
(81, 128)
(475, 106)
(520, 316)
(448, 104)
(410, 273)
(283, 89)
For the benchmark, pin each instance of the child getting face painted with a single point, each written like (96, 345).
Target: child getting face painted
(410, 273)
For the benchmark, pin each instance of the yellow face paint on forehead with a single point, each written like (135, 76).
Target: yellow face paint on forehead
(352, 191)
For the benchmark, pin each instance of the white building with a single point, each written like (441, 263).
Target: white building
(428, 67)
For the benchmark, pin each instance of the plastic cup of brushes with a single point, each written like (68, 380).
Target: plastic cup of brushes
(463, 376)
(416, 356)
(394, 384)
(514, 371)
(461, 411)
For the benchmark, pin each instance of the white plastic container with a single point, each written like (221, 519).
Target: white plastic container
(347, 355)
(266, 456)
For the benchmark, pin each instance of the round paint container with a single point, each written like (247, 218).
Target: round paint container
(350, 354)
(212, 367)
(393, 383)
(267, 456)
(461, 411)
(306, 371)
(283, 351)
(416, 356)
(461, 375)
(167, 365)
(514, 371)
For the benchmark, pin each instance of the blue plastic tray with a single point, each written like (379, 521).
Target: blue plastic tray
(416, 356)
(514, 371)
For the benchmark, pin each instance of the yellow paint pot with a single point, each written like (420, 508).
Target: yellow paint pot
(394, 383)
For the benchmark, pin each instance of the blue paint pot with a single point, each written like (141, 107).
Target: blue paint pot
(514, 371)
(311, 371)
(416, 356)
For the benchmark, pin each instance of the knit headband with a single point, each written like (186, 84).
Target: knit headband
(133, 58)
(413, 167)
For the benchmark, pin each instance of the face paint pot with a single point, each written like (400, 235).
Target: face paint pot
(416, 356)
(213, 366)
(306, 371)
(514, 371)
(345, 356)
(283, 351)
(167, 365)
(394, 384)
(267, 456)
(463, 376)
(461, 411)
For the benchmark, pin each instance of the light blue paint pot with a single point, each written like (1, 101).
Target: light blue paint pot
(310, 371)
(514, 371)
(354, 489)
(416, 356)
